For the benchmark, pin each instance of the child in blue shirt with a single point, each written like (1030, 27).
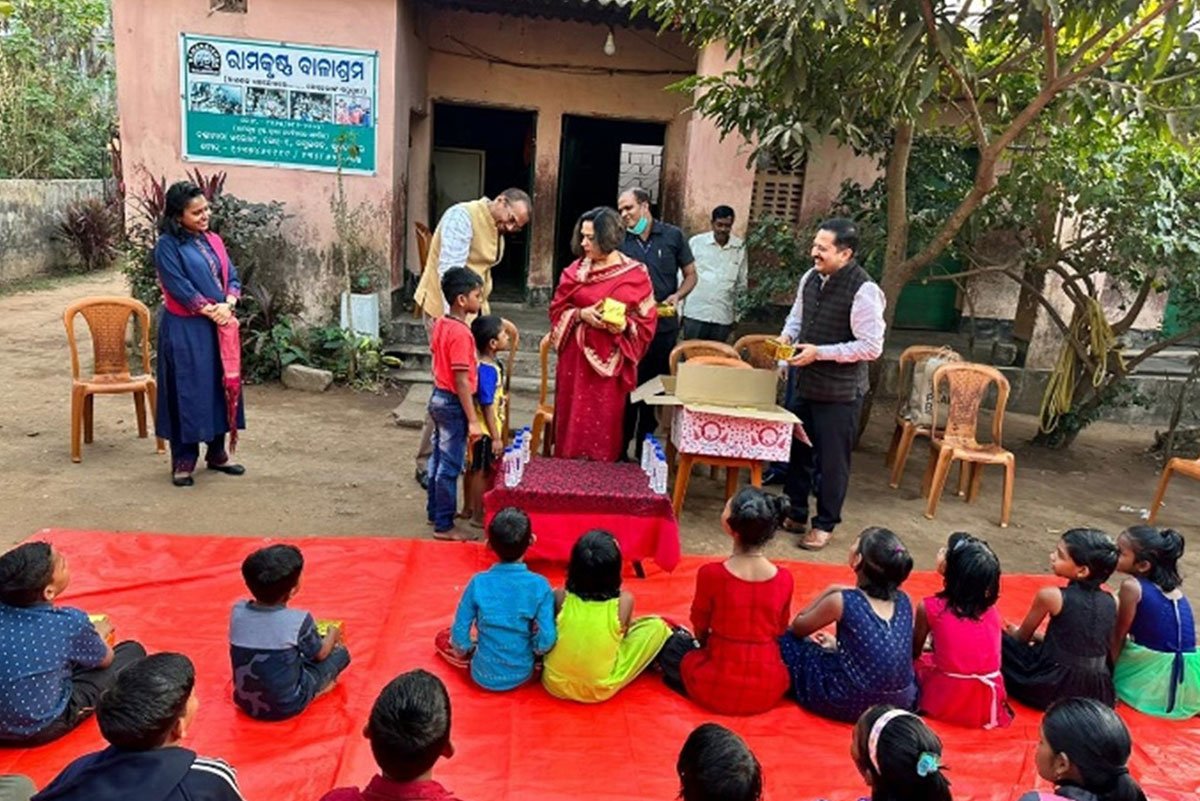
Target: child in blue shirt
(511, 608)
(491, 408)
(54, 664)
(280, 662)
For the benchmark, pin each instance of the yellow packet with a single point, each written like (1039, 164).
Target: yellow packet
(783, 350)
(613, 312)
(97, 619)
(324, 625)
(666, 310)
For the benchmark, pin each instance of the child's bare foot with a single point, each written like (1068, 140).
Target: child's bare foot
(466, 513)
(455, 534)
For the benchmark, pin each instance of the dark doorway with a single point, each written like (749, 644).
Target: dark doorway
(482, 151)
(589, 171)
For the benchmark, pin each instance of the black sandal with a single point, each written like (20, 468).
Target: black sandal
(183, 481)
(228, 469)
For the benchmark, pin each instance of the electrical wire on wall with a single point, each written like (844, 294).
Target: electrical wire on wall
(479, 54)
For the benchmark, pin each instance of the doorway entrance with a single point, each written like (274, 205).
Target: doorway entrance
(479, 150)
(590, 170)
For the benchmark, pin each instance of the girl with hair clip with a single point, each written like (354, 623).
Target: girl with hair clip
(870, 660)
(899, 757)
(1083, 749)
(600, 647)
(1072, 658)
(741, 607)
(1154, 645)
(960, 679)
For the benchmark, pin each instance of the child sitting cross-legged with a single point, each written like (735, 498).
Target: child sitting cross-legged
(1083, 749)
(960, 679)
(510, 607)
(409, 730)
(54, 664)
(280, 662)
(1071, 660)
(490, 409)
(144, 717)
(600, 647)
(870, 660)
(1154, 646)
(741, 607)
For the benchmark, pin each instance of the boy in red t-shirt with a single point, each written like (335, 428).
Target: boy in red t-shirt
(452, 406)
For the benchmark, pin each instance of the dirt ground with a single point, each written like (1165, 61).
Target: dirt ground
(335, 464)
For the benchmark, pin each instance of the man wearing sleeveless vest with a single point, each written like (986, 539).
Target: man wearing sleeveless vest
(837, 326)
(470, 234)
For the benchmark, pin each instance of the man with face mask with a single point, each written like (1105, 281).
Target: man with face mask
(837, 326)
(470, 234)
(721, 276)
(665, 252)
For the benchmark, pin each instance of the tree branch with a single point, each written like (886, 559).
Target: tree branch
(1126, 322)
(1162, 345)
(974, 118)
(1050, 42)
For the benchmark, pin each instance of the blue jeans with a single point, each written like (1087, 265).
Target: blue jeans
(448, 457)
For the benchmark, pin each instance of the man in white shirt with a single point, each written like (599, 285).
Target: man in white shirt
(708, 312)
(838, 328)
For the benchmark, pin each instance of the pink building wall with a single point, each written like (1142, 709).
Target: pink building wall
(146, 38)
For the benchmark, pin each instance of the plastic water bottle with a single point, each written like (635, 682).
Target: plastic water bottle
(647, 454)
(509, 468)
(660, 464)
(527, 442)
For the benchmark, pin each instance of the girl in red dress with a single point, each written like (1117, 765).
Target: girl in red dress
(732, 666)
(960, 679)
(598, 357)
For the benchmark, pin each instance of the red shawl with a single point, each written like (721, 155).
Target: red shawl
(229, 342)
(597, 368)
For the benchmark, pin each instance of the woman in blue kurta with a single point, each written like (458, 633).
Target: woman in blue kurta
(200, 288)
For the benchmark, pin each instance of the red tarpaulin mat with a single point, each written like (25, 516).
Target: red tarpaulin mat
(175, 592)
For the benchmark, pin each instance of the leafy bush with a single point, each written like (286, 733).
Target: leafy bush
(778, 257)
(90, 227)
(57, 100)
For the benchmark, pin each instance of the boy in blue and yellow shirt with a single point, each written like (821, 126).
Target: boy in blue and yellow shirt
(491, 407)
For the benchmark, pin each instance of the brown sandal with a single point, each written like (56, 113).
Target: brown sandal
(793, 526)
(814, 540)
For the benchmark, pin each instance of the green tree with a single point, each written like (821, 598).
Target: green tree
(873, 74)
(57, 104)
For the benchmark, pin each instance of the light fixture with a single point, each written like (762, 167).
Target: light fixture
(610, 44)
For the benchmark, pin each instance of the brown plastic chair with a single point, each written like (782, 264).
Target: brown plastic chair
(543, 418)
(906, 430)
(758, 350)
(968, 384)
(720, 361)
(510, 361)
(1188, 467)
(108, 320)
(424, 238)
(699, 347)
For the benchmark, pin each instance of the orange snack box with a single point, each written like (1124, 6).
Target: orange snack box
(783, 350)
(666, 310)
(111, 639)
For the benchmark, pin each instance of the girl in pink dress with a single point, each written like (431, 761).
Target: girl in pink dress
(960, 679)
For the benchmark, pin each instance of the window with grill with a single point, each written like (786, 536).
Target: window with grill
(229, 6)
(778, 192)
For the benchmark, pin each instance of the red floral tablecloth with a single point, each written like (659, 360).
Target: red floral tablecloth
(565, 498)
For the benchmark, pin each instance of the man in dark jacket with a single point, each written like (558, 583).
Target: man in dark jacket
(144, 717)
(837, 325)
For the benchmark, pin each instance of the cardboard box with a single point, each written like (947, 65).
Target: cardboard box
(724, 411)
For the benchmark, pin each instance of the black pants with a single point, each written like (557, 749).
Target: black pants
(699, 329)
(86, 688)
(670, 659)
(822, 470)
(640, 419)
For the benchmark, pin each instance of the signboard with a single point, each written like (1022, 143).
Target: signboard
(277, 104)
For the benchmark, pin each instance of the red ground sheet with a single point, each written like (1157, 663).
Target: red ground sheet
(174, 593)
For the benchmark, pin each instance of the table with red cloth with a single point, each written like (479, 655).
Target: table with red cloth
(565, 498)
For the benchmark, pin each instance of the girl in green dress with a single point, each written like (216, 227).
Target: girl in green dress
(600, 647)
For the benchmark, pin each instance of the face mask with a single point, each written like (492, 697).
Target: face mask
(640, 228)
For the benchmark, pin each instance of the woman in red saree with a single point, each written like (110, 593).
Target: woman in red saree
(597, 360)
